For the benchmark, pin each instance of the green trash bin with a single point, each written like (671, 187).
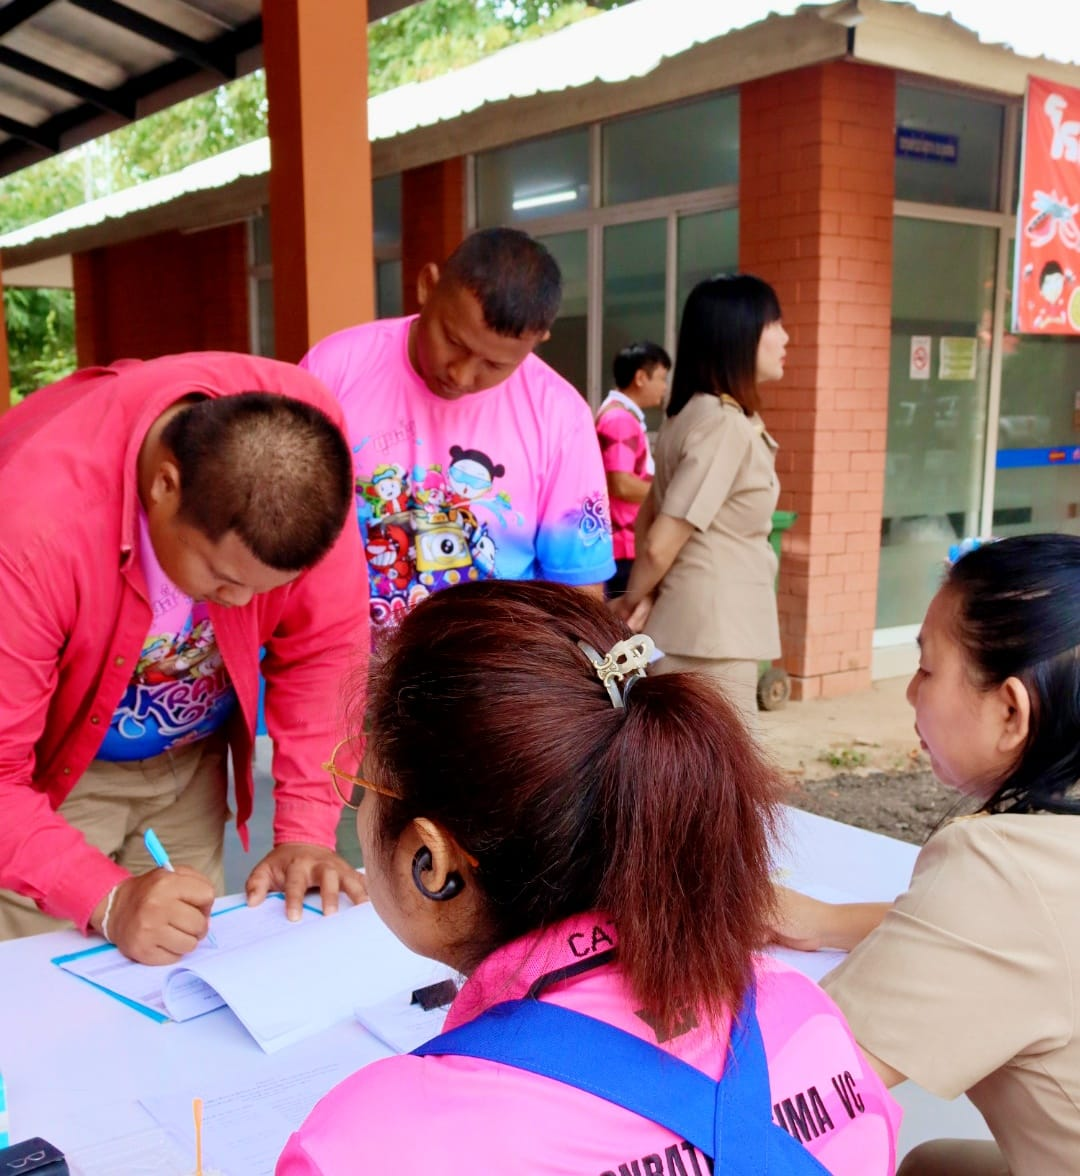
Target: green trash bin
(774, 685)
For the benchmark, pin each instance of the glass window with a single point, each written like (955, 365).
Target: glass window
(567, 348)
(948, 148)
(943, 282)
(708, 244)
(677, 149)
(260, 237)
(635, 258)
(386, 210)
(1037, 484)
(388, 299)
(541, 178)
(263, 343)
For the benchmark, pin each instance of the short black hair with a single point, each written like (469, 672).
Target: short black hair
(275, 470)
(1018, 615)
(514, 278)
(719, 335)
(643, 354)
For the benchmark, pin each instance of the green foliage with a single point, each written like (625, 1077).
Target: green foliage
(846, 758)
(41, 338)
(437, 36)
(154, 146)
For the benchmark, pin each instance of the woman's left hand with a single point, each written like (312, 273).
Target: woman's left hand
(636, 616)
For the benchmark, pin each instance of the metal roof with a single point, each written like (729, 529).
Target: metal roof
(71, 70)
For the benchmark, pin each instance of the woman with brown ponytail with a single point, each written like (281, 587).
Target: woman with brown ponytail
(590, 847)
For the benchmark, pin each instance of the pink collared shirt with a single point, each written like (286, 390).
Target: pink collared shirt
(75, 616)
(459, 1116)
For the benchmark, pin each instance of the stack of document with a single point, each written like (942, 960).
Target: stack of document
(284, 981)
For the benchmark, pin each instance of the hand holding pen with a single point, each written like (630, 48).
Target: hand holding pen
(161, 859)
(156, 917)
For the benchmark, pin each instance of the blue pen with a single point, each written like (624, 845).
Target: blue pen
(157, 851)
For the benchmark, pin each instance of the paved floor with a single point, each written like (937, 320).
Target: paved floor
(871, 729)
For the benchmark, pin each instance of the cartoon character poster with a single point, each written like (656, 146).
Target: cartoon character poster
(430, 527)
(1046, 294)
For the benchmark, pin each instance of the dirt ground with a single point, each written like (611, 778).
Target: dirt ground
(907, 805)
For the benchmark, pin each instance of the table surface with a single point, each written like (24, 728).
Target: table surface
(76, 1062)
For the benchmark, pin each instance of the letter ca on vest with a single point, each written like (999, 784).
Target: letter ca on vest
(587, 943)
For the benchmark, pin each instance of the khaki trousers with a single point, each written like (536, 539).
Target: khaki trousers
(182, 794)
(954, 1157)
(736, 678)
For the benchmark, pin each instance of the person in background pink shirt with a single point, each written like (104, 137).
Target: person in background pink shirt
(163, 522)
(641, 381)
(571, 833)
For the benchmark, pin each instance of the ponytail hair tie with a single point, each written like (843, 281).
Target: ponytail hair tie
(621, 666)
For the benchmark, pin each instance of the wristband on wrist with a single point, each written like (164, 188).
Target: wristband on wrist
(108, 911)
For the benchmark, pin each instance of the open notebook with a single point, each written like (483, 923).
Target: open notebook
(277, 977)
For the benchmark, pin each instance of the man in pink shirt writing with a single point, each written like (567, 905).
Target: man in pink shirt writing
(163, 523)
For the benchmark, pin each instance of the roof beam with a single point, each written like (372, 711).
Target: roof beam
(18, 12)
(198, 53)
(66, 82)
(32, 135)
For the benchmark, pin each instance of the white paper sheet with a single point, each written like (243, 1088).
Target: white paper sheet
(245, 1130)
(234, 929)
(399, 1023)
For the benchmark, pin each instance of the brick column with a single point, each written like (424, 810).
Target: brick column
(432, 220)
(816, 220)
(320, 169)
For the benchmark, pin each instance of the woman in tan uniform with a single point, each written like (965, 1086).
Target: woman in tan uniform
(702, 583)
(970, 981)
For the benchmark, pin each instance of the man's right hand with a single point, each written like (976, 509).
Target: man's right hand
(160, 916)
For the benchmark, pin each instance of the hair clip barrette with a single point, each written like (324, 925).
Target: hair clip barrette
(621, 666)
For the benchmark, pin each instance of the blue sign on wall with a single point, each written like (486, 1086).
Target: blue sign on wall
(927, 145)
(1014, 459)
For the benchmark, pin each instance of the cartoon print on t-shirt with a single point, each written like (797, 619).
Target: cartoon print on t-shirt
(179, 693)
(387, 491)
(388, 558)
(421, 531)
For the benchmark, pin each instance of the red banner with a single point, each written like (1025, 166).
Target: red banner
(1046, 293)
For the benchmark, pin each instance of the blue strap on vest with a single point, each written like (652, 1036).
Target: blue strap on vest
(730, 1121)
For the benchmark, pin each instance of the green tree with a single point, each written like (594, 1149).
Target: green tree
(41, 337)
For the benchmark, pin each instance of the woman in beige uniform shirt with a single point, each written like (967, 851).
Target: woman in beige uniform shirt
(702, 583)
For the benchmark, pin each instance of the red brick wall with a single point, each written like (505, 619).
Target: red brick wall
(432, 220)
(815, 219)
(162, 294)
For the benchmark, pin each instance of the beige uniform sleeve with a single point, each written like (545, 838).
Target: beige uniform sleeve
(708, 465)
(965, 972)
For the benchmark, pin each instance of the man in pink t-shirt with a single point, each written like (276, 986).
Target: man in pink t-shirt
(641, 380)
(473, 459)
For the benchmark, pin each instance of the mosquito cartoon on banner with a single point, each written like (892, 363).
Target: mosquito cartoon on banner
(1046, 293)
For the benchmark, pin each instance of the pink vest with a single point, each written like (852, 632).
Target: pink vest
(460, 1116)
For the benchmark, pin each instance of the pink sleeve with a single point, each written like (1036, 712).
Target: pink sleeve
(573, 527)
(41, 855)
(620, 440)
